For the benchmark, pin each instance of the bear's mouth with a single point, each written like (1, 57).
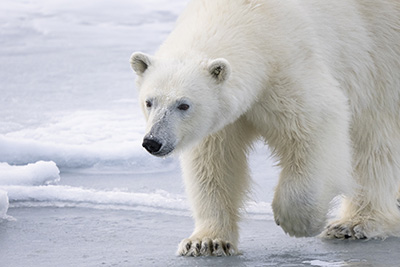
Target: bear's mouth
(156, 147)
(163, 153)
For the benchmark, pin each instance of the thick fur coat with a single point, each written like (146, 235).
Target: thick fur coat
(319, 81)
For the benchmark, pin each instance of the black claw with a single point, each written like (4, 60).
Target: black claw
(224, 247)
(216, 246)
(188, 246)
(198, 246)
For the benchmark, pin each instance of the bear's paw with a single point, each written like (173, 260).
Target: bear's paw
(346, 230)
(206, 247)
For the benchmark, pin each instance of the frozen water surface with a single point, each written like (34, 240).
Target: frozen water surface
(76, 188)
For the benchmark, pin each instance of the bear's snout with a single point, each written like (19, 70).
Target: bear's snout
(151, 145)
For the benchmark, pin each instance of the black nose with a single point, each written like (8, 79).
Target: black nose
(151, 145)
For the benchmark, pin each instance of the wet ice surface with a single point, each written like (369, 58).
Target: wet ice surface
(106, 231)
(104, 227)
(76, 188)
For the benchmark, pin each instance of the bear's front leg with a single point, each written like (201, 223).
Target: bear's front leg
(216, 179)
(312, 175)
(311, 140)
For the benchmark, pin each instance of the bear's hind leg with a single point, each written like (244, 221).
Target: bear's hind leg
(373, 212)
(217, 180)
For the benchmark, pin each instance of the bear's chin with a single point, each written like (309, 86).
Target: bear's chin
(164, 152)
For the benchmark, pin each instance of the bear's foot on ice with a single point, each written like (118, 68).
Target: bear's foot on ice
(361, 227)
(345, 230)
(206, 247)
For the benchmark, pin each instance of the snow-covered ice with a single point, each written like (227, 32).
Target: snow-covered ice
(38, 173)
(80, 189)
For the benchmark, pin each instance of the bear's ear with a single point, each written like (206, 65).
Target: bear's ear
(140, 62)
(219, 69)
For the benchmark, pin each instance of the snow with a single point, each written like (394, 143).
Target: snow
(78, 107)
(324, 263)
(38, 173)
(73, 173)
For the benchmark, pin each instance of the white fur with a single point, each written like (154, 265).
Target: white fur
(319, 81)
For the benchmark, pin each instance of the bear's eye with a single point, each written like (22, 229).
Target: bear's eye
(183, 107)
(149, 104)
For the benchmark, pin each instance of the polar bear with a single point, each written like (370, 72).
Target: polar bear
(319, 81)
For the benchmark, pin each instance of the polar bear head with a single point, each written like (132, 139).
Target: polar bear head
(180, 100)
